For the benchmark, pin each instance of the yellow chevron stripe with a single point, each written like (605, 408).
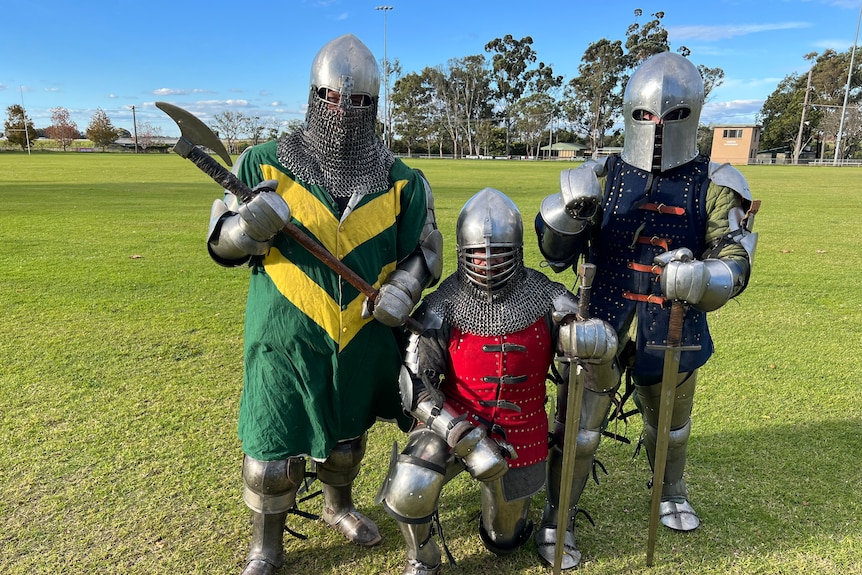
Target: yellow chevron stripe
(362, 224)
(312, 300)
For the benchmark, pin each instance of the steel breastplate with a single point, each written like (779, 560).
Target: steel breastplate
(501, 384)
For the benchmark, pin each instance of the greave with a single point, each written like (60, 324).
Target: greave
(266, 552)
(420, 544)
(648, 400)
(674, 482)
(503, 525)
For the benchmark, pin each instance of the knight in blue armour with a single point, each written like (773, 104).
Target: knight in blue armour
(661, 222)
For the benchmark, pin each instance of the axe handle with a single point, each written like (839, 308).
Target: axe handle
(338, 267)
(227, 180)
(208, 165)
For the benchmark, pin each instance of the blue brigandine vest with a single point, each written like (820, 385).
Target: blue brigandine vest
(644, 216)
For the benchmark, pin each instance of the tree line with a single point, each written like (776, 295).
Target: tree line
(506, 101)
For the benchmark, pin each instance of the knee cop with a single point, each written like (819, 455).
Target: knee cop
(271, 486)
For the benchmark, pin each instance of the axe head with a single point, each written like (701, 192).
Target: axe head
(194, 130)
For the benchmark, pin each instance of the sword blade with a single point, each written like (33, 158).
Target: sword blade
(574, 398)
(670, 374)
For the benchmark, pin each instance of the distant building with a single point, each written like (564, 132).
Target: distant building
(735, 143)
(564, 150)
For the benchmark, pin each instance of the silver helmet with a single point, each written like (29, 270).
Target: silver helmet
(667, 87)
(346, 65)
(337, 147)
(490, 241)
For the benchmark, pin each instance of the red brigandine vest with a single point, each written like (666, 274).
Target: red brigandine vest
(502, 386)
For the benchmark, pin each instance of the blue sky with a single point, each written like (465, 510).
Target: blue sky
(255, 56)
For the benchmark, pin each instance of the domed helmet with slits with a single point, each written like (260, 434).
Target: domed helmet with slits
(661, 109)
(490, 239)
(346, 66)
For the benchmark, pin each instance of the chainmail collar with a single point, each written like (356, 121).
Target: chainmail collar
(527, 297)
(338, 150)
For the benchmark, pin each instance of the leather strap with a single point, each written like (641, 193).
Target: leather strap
(663, 209)
(642, 297)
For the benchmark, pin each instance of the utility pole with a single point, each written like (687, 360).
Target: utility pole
(798, 149)
(847, 91)
(387, 121)
(24, 119)
(135, 128)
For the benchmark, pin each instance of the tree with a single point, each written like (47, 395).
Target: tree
(62, 128)
(411, 111)
(101, 131)
(148, 134)
(18, 127)
(785, 110)
(643, 41)
(512, 76)
(532, 117)
(594, 99)
(229, 125)
(469, 82)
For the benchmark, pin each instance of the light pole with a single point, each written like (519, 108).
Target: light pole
(135, 127)
(847, 91)
(387, 124)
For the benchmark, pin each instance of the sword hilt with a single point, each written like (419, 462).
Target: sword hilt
(674, 329)
(587, 273)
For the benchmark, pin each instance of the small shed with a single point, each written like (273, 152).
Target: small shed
(564, 150)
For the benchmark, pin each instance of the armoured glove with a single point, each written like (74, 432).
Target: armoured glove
(592, 340)
(395, 299)
(257, 221)
(683, 278)
(481, 455)
(581, 192)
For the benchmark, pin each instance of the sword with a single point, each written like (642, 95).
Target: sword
(194, 130)
(670, 374)
(574, 398)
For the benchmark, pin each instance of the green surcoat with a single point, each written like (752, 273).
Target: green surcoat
(316, 372)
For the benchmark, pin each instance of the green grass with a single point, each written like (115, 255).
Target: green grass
(120, 374)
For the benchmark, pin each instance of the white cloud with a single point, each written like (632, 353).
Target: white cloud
(731, 112)
(725, 31)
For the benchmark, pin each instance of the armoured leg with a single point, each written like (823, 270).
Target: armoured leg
(270, 491)
(594, 410)
(676, 511)
(410, 494)
(503, 525)
(336, 474)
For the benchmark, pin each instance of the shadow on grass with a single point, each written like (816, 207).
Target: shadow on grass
(769, 498)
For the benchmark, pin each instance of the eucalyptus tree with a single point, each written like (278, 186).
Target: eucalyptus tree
(470, 83)
(513, 76)
(411, 110)
(593, 100)
(787, 109)
(532, 117)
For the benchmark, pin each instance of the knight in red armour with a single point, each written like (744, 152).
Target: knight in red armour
(474, 379)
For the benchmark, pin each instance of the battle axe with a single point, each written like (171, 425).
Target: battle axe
(193, 133)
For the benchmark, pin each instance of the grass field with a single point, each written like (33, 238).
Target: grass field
(120, 375)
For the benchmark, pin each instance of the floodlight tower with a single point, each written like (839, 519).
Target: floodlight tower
(386, 120)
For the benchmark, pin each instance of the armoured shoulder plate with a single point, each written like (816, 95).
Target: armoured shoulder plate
(727, 175)
(598, 165)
